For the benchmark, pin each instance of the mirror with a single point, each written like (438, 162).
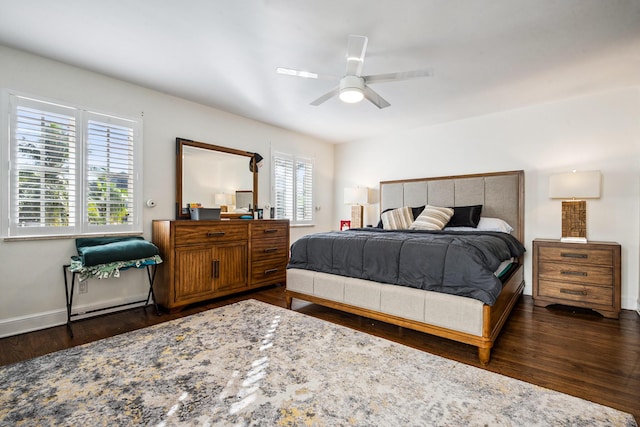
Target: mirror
(214, 177)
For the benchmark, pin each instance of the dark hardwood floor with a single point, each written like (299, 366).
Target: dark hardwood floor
(574, 351)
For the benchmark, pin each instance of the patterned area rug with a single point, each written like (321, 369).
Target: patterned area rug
(251, 363)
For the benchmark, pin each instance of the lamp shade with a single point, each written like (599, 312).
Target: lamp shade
(575, 185)
(220, 199)
(355, 196)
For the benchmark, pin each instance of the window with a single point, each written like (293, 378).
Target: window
(293, 188)
(71, 171)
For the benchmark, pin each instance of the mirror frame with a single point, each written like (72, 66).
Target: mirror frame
(181, 143)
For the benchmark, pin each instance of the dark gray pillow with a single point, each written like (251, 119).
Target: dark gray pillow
(465, 216)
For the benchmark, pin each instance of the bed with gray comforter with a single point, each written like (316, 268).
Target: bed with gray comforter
(440, 283)
(456, 263)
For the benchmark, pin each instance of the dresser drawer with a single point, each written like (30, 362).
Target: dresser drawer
(210, 233)
(273, 271)
(269, 249)
(576, 255)
(269, 229)
(576, 293)
(588, 274)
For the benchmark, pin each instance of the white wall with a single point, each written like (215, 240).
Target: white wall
(597, 132)
(31, 282)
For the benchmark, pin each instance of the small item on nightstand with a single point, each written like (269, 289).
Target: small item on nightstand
(345, 225)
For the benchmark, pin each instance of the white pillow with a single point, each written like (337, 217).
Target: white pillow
(487, 224)
(432, 218)
(397, 219)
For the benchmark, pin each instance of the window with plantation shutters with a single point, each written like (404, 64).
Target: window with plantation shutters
(293, 188)
(71, 171)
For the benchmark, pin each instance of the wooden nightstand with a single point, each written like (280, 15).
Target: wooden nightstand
(577, 274)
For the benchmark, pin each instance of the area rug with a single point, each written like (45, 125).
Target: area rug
(252, 363)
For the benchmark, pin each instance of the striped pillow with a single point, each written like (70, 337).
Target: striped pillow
(432, 218)
(397, 219)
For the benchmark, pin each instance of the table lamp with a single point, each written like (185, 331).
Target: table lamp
(356, 196)
(573, 188)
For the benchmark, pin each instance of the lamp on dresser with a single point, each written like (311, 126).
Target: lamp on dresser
(573, 187)
(356, 196)
(222, 200)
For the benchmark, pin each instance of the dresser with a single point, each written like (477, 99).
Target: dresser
(577, 274)
(209, 259)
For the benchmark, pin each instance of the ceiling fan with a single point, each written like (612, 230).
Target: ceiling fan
(354, 87)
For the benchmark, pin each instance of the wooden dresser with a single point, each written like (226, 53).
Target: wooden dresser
(577, 274)
(209, 259)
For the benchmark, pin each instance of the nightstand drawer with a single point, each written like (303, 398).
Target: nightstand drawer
(588, 274)
(576, 255)
(576, 293)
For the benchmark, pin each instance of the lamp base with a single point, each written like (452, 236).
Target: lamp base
(357, 216)
(573, 240)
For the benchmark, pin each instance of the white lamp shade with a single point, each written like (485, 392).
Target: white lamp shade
(222, 199)
(356, 196)
(575, 185)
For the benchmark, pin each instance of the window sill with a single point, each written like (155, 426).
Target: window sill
(69, 236)
(301, 225)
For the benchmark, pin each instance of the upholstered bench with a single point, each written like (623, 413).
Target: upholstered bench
(105, 257)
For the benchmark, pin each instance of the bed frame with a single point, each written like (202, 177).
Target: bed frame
(453, 317)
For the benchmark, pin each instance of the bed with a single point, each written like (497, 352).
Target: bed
(475, 317)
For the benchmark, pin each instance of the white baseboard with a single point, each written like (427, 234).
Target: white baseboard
(30, 323)
(48, 319)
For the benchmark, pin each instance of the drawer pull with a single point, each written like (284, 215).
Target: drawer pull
(571, 255)
(215, 233)
(572, 292)
(271, 230)
(574, 273)
(271, 271)
(216, 268)
(267, 250)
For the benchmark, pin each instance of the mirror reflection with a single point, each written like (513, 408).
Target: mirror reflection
(210, 176)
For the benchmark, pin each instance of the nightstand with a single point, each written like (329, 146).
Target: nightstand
(577, 274)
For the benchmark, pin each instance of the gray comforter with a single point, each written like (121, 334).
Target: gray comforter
(456, 263)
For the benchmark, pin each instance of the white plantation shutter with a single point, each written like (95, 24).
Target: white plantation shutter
(304, 190)
(293, 188)
(109, 171)
(43, 173)
(71, 171)
(283, 186)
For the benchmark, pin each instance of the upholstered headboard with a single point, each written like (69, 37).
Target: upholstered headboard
(501, 194)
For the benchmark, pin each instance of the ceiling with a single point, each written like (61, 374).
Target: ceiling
(487, 55)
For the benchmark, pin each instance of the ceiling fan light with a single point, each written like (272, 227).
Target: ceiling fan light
(351, 89)
(351, 95)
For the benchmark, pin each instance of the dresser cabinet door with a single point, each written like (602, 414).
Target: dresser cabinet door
(230, 266)
(194, 272)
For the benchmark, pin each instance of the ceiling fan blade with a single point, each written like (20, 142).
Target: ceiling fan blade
(326, 96)
(305, 74)
(375, 99)
(390, 77)
(356, 48)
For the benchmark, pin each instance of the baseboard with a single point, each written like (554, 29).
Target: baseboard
(34, 322)
(48, 319)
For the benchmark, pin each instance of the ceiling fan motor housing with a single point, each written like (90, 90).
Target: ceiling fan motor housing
(351, 89)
